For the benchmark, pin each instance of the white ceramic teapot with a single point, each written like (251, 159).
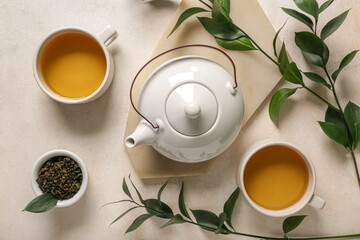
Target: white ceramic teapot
(190, 108)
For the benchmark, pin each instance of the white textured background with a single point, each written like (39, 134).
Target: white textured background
(31, 124)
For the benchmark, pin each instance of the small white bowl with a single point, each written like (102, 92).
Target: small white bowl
(60, 152)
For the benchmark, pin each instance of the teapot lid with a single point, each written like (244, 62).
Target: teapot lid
(191, 109)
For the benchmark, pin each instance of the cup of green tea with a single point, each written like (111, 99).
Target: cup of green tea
(278, 179)
(72, 65)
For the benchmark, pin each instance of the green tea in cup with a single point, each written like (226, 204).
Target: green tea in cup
(276, 177)
(73, 65)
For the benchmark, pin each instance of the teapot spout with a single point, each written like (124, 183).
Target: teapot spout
(144, 134)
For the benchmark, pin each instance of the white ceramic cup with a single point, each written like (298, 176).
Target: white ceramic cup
(60, 152)
(104, 38)
(307, 198)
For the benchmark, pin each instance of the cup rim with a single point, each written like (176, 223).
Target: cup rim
(282, 212)
(60, 152)
(52, 94)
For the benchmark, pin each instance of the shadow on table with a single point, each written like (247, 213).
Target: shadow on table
(68, 218)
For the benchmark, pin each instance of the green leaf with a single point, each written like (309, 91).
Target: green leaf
(357, 135)
(138, 193)
(219, 14)
(182, 205)
(299, 16)
(335, 74)
(313, 59)
(161, 190)
(325, 5)
(309, 6)
(225, 4)
(352, 118)
(310, 43)
(222, 219)
(229, 206)
(317, 78)
(155, 208)
(335, 132)
(277, 101)
(126, 189)
(347, 59)
(326, 54)
(185, 15)
(42, 203)
(208, 220)
(333, 25)
(240, 44)
(283, 59)
(137, 222)
(116, 219)
(335, 117)
(292, 222)
(292, 74)
(275, 38)
(126, 200)
(177, 219)
(226, 31)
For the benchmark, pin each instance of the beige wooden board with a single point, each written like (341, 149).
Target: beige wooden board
(257, 76)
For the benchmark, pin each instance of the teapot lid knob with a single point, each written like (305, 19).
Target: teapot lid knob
(192, 110)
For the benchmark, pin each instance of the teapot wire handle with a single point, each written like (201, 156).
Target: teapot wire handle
(163, 53)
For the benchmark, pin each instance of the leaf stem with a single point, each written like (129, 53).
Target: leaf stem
(205, 4)
(328, 237)
(236, 233)
(342, 112)
(321, 98)
(356, 167)
(138, 204)
(255, 236)
(261, 50)
(258, 236)
(276, 238)
(333, 88)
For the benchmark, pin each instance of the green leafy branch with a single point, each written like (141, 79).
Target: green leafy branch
(342, 125)
(207, 220)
